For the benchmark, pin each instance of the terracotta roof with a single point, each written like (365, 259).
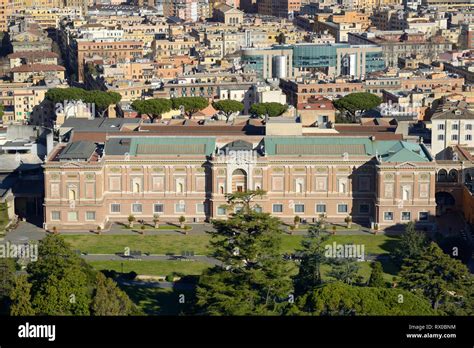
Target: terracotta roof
(32, 54)
(38, 67)
(207, 111)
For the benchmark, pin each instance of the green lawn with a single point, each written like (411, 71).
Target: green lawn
(156, 268)
(159, 301)
(163, 244)
(156, 244)
(364, 271)
(373, 244)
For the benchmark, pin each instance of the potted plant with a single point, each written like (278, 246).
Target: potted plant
(99, 229)
(182, 220)
(376, 228)
(55, 230)
(348, 221)
(334, 229)
(131, 220)
(297, 221)
(156, 221)
(142, 228)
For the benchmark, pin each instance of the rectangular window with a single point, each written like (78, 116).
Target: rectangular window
(200, 208)
(158, 208)
(258, 209)
(406, 216)
(423, 216)
(454, 137)
(364, 209)
(454, 126)
(220, 211)
(320, 208)
(90, 215)
(72, 216)
(299, 208)
(115, 208)
(388, 216)
(342, 208)
(56, 215)
(469, 127)
(136, 208)
(440, 137)
(468, 137)
(180, 208)
(441, 127)
(277, 208)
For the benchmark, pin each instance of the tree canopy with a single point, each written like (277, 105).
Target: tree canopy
(335, 299)
(109, 299)
(7, 280)
(435, 275)
(62, 283)
(21, 298)
(345, 270)
(102, 100)
(313, 256)
(190, 104)
(153, 108)
(412, 243)
(357, 102)
(252, 278)
(228, 107)
(271, 109)
(376, 275)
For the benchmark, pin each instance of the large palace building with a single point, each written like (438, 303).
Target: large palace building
(387, 182)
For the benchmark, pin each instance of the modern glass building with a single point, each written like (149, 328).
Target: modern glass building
(335, 59)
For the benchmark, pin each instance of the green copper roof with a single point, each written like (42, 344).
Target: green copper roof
(387, 150)
(172, 146)
(138, 146)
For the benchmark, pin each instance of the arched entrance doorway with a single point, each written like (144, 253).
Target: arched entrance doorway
(239, 180)
(445, 202)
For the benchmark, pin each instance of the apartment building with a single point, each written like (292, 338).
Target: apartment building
(399, 44)
(37, 72)
(302, 90)
(32, 57)
(116, 50)
(451, 125)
